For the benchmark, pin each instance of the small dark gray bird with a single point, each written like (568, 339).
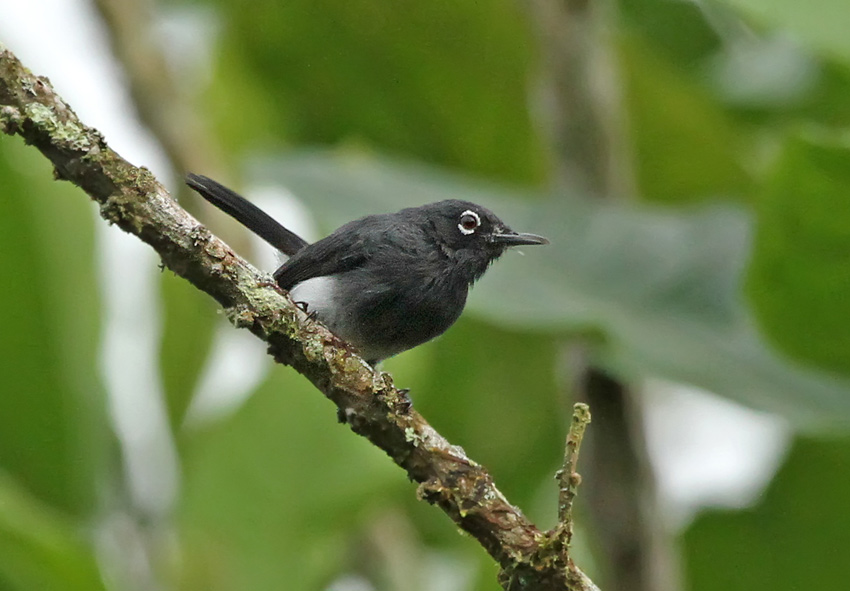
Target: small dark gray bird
(384, 283)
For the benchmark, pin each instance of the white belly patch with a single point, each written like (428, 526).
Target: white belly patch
(318, 293)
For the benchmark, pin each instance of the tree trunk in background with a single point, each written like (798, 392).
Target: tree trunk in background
(578, 108)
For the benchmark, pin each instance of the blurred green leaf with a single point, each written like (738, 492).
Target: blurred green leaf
(271, 489)
(681, 31)
(685, 147)
(52, 433)
(442, 81)
(793, 539)
(828, 104)
(821, 24)
(189, 318)
(800, 274)
(39, 548)
(661, 287)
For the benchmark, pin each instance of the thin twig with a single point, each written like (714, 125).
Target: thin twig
(568, 477)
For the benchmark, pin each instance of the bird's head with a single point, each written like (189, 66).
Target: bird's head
(472, 235)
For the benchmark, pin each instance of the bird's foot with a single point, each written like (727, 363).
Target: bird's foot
(405, 403)
(303, 306)
(341, 416)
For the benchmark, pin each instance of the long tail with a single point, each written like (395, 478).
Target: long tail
(247, 214)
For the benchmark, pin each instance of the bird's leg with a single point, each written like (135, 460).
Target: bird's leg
(303, 307)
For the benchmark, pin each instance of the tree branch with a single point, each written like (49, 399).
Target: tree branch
(568, 478)
(132, 199)
(557, 546)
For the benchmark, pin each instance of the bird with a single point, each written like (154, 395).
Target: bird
(384, 283)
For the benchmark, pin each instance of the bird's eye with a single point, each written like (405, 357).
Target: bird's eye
(469, 221)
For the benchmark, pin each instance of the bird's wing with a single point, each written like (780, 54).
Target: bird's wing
(337, 253)
(247, 214)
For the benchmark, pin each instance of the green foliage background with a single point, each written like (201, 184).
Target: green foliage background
(732, 273)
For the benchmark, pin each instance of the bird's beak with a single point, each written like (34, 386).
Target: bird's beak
(514, 239)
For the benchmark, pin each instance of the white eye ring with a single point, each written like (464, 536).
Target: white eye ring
(467, 231)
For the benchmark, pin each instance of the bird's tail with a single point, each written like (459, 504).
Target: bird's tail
(247, 214)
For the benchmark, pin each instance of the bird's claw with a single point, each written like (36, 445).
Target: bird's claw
(405, 402)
